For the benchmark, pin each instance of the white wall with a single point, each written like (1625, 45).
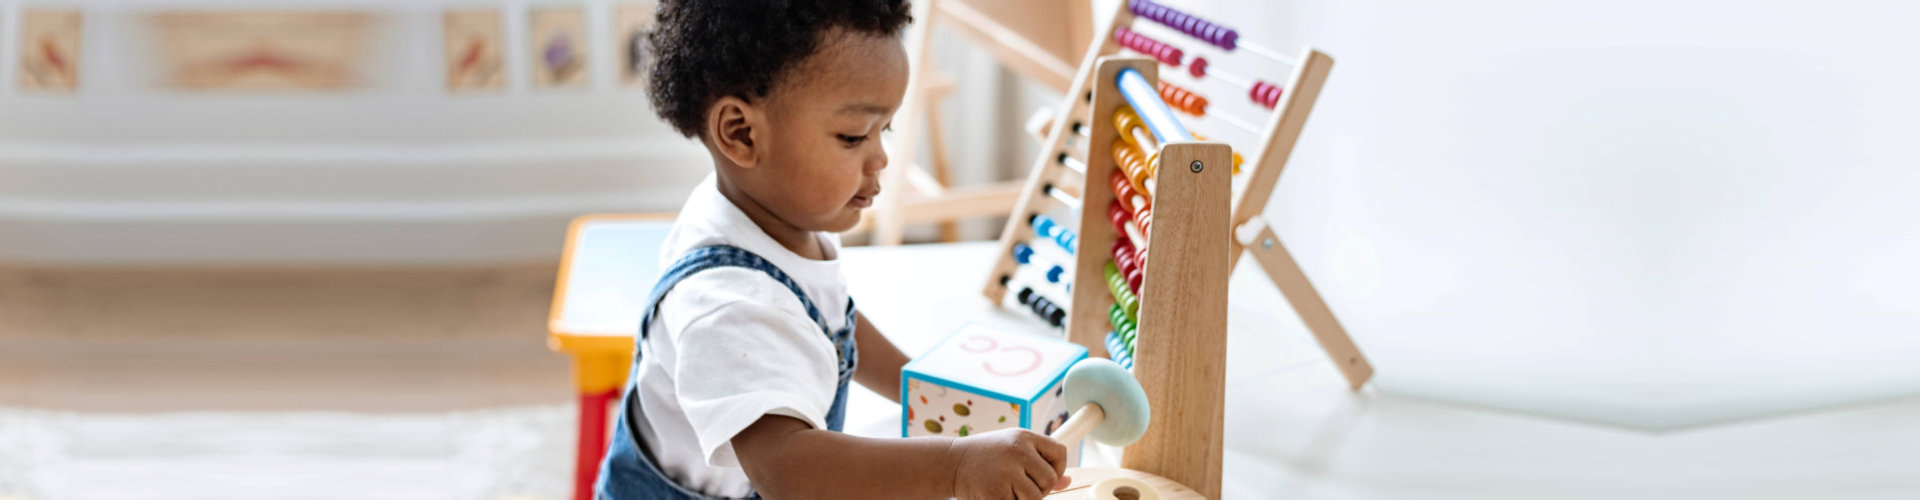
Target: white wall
(397, 172)
(1645, 213)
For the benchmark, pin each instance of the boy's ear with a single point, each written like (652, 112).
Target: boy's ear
(734, 125)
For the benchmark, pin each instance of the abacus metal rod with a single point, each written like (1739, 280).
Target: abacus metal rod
(1270, 54)
(1237, 123)
(1073, 164)
(1064, 198)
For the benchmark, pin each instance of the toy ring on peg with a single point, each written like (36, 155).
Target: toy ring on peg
(1124, 488)
(1112, 407)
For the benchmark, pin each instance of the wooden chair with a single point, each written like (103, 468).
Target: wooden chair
(1026, 36)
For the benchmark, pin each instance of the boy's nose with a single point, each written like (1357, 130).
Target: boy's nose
(878, 161)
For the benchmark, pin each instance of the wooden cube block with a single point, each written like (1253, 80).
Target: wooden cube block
(981, 379)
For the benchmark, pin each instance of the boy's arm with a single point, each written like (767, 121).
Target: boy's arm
(880, 361)
(786, 458)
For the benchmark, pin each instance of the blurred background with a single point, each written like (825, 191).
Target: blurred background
(333, 255)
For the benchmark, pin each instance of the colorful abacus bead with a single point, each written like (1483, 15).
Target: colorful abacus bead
(1144, 219)
(1118, 352)
(1043, 307)
(1123, 191)
(1023, 254)
(1129, 268)
(1126, 326)
(1118, 215)
(1117, 285)
(1182, 99)
(1135, 257)
(1204, 30)
(1266, 94)
(1166, 54)
(1047, 228)
(1135, 132)
(1134, 164)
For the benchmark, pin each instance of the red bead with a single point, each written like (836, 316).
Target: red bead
(1198, 68)
(1167, 54)
(1122, 189)
(1118, 214)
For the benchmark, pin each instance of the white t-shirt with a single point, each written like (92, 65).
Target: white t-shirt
(729, 345)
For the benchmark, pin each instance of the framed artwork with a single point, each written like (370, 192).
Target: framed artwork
(50, 50)
(631, 24)
(262, 50)
(559, 47)
(473, 56)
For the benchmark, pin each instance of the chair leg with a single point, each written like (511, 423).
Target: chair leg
(592, 446)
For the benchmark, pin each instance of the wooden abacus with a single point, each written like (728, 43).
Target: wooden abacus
(1178, 345)
(1182, 289)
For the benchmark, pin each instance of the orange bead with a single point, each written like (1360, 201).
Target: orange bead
(1122, 190)
(1131, 161)
(1183, 99)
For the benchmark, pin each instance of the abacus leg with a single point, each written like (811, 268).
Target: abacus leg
(1279, 265)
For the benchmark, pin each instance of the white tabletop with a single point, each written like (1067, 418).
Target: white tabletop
(1294, 431)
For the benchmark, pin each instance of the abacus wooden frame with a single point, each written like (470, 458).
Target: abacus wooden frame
(1282, 132)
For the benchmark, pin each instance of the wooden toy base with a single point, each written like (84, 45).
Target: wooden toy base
(1085, 477)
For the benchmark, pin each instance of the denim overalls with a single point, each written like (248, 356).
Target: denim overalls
(629, 472)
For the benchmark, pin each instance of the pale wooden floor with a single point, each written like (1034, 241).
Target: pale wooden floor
(372, 340)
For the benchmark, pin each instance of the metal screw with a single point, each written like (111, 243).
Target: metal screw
(1197, 166)
(1266, 244)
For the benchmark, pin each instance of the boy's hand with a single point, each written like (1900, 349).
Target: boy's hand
(1008, 463)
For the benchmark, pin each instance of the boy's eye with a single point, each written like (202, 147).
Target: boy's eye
(852, 140)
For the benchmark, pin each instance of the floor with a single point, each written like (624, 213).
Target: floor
(375, 383)
(330, 384)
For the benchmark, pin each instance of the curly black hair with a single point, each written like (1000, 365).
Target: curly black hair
(708, 49)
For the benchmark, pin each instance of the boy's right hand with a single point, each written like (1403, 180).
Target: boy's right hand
(1007, 463)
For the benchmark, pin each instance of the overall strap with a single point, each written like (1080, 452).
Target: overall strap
(715, 256)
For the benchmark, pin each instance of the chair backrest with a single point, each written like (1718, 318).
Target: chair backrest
(610, 264)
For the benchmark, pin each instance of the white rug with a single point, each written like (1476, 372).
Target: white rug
(515, 452)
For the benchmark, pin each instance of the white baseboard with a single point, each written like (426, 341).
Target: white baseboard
(324, 205)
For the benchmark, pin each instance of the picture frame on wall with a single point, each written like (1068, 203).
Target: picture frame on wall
(557, 47)
(632, 23)
(262, 50)
(50, 50)
(473, 41)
